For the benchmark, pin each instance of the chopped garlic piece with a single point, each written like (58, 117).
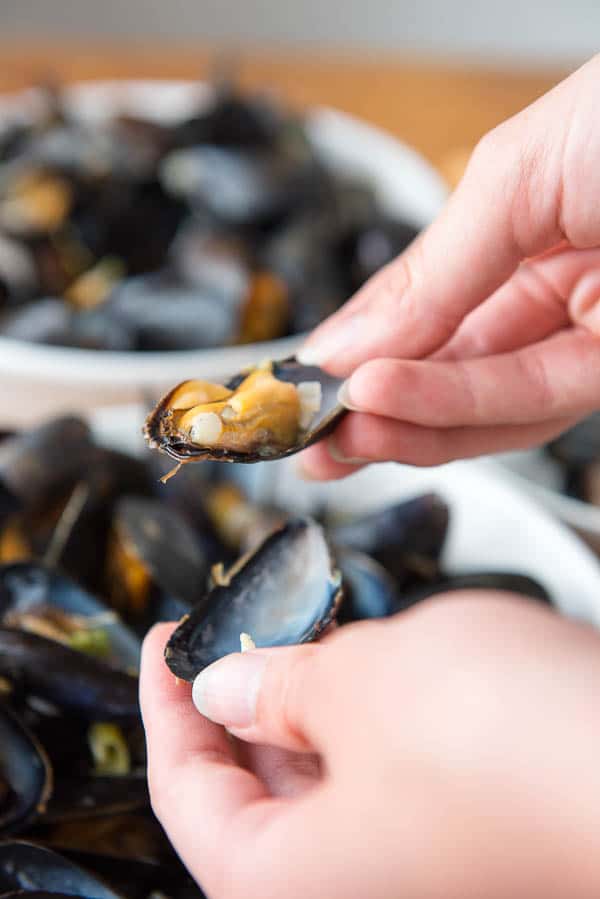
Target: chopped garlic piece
(246, 642)
(206, 428)
(310, 394)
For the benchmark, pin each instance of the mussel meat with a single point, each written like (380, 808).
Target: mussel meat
(286, 592)
(268, 412)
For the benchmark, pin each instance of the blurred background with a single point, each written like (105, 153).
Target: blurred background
(542, 30)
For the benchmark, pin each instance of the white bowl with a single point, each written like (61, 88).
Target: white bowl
(494, 526)
(38, 380)
(542, 478)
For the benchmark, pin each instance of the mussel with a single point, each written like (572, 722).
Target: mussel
(67, 678)
(370, 590)
(157, 567)
(265, 413)
(286, 592)
(25, 775)
(503, 581)
(407, 538)
(31, 868)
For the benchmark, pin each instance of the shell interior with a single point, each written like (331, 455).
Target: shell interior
(285, 593)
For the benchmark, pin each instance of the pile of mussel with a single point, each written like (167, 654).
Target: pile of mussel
(93, 550)
(223, 228)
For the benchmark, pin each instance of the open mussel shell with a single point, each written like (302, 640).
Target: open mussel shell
(503, 581)
(34, 596)
(286, 592)
(158, 567)
(68, 679)
(35, 869)
(162, 433)
(25, 775)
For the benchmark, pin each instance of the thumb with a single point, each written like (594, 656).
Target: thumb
(266, 695)
(511, 204)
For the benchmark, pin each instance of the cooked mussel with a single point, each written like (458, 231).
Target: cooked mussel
(286, 592)
(35, 869)
(157, 567)
(38, 599)
(67, 678)
(25, 774)
(265, 413)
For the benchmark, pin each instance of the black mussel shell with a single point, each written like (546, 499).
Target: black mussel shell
(29, 588)
(40, 465)
(172, 563)
(156, 429)
(38, 870)
(67, 678)
(495, 580)
(406, 538)
(286, 592)
(161, 311)
(369, 589)
(25, 775)
(137, 878)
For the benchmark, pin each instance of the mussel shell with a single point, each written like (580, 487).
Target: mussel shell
(68, 679)
(9, 504)
(286, 592)
(164, 544)
(139, 879)
(406, 538)
(36, 869)
(46, 320)
(163, 312)
(27, 586)
(502, 581)
(289, 370)
(26, 771)
(41, 465)
(370, 591)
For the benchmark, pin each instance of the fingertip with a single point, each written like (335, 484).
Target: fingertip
(319, 464)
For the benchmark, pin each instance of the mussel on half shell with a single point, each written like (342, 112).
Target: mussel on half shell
(286, 592)
(270, 411)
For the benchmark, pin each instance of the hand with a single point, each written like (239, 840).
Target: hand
(509, 349)
(459, 746)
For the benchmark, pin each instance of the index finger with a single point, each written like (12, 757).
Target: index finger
(514, 202)
(197, 788)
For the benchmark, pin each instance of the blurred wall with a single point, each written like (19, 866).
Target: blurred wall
(540, 29)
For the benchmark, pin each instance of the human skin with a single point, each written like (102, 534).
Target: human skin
(451, 751)
(485, 334)
(457, 748)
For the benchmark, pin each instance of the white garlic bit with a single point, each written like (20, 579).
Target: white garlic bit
(246, 642)
(206, 428)
(310, 394)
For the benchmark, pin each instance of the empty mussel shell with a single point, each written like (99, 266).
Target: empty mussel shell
(286, 592)
(32, 868)
(25, 775)
(267, 412)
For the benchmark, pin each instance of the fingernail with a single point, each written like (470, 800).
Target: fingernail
(343, 336)
(227, 691)
(344, 398)
(337, 455)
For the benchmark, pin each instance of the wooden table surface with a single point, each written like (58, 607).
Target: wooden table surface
(440, 109)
